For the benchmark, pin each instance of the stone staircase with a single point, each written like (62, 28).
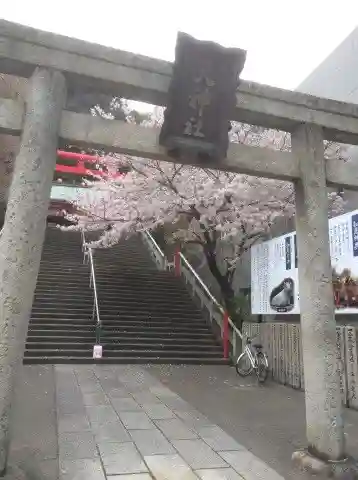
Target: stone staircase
(147, 315)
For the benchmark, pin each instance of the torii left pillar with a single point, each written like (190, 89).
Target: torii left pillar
(23, 233)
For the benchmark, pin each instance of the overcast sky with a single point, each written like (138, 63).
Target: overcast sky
(285, 39)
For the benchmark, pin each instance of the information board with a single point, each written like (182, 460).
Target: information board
(274, 272)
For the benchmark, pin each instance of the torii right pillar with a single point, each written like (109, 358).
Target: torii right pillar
(324, 423)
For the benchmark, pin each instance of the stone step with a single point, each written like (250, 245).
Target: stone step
(123, 352)
(130, 360)
(35, 338)
(48, 331)
(148, 280)
(108, 301)
(123, 324)
(123, 347)
(108, 292)
(142, 311)
(119, 328)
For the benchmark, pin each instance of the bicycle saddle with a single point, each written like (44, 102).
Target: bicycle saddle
(257, 345)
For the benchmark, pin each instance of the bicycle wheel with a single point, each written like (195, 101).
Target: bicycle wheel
(261, 368)
(243, 365)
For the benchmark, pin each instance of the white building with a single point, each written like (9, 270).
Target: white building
(336, 77)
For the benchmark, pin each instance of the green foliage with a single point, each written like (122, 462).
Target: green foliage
(240, 309)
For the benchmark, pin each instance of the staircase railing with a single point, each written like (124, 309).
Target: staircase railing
(88, 259)
(230, 334)
(155, 251)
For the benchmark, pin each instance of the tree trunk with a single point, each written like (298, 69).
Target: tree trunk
(226, 289)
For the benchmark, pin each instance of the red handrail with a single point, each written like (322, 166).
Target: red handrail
(76, 170)
(79, 156)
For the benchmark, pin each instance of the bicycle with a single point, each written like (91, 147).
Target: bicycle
(252, 359)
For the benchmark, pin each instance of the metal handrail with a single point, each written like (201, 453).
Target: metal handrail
(201, 283)
(150, 236)
(208, 293)
(155, 250)
(83, 240)
(87, 251)
(236, 330)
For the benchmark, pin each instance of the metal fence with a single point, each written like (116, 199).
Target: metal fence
(282, 343)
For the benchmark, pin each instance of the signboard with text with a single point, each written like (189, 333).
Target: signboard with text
(274, 272)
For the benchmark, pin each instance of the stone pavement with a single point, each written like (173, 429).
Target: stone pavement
(268, 420)
(121, 423)
(34, 445)
(204, 419)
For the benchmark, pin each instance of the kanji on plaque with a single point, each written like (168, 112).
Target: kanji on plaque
(355, 234)
(198, 101)
(352, 366)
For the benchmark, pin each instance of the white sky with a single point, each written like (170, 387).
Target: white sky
(285, 39)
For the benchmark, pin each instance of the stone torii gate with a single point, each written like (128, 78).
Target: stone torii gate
(57, 66)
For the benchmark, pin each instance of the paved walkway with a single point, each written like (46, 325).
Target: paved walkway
(122, 423)
(268, 420)
(161, 422)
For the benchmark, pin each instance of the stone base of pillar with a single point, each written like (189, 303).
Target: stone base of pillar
(15, 473)
(343, 470)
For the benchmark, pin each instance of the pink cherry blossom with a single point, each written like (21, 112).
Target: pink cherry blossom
(214, 207)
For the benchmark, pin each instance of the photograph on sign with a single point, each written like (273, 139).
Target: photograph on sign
(274, 270)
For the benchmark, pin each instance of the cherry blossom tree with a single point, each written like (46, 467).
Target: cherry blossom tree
(209, 208)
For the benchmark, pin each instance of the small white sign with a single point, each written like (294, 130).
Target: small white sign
(97, 351)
